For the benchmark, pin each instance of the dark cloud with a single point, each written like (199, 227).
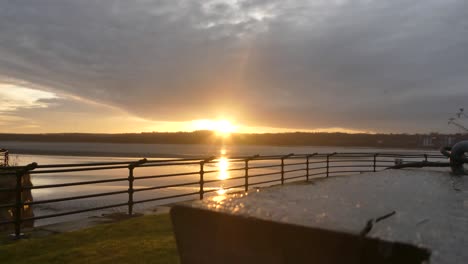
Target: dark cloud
(373, 65)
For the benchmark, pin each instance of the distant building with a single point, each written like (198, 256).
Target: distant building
(435, 140)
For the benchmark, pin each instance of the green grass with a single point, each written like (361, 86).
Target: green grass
(146, 239)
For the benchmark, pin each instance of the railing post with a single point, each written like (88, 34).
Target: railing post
(246, 170)
(19, 197)
(282, 170)
(375, 162)
(131, 179)
(5, 161)
(18, 203)
(282, 166)
(202, 172)
(307, 165)
(328, 163)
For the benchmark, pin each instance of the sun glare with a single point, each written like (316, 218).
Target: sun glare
(221, 127)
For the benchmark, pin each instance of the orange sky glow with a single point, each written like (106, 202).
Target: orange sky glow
(33, 110)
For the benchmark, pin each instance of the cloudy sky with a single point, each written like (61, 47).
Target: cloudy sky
(280, 65)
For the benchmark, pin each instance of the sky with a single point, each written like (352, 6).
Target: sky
(114, 66)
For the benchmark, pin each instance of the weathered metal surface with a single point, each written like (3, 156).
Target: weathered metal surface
(431, 208)
(204, 236)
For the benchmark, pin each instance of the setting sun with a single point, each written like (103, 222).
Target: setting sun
(221, 127)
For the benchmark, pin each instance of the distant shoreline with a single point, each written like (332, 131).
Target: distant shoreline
(296, 139)
(149, 150)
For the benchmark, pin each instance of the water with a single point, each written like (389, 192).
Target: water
(96, 152)
(107, 150)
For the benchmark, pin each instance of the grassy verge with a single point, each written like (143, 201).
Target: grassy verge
(146, 239)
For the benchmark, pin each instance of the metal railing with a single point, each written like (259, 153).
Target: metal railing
(3, 157)
(197, 174)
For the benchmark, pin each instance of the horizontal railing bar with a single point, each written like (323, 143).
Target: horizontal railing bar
(74, 198)
(224, 188)
(167, 164)
(75, 170)
(166, 175)
(346, 160)
(165, 186)
(407, 155)
(73, 212)
(67, 165)
(295, 177)
(149, 161)
(292, 164)
(264, 167)
(181, 174)
(342, 156)
(210, 171)
(265, 174)
(360, 171)
(230, 160)
(243, 158)
(317, 168)
(230, 178)
(165, 197)
(386, 153)
(263, 158)
(301, 169)
(73, 184)
(226, 170)
(116, 163)
(350, 166)
(236, 169)
(218, 170)
(317, 162)
(318, 173)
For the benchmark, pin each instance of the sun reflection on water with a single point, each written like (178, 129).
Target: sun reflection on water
(221, 195)
(223, 167)
(219, 198)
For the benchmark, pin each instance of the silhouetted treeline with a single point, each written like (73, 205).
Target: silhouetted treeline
(277, 139)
